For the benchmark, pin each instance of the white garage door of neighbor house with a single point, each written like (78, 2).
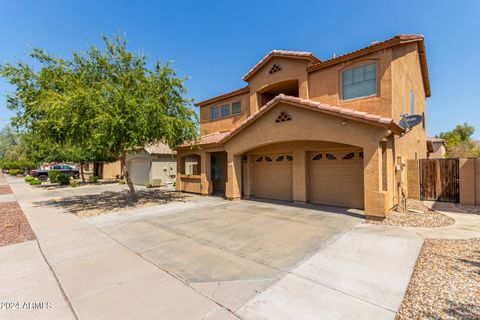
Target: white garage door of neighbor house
(273, 176)
(336, 178)
(139, 169)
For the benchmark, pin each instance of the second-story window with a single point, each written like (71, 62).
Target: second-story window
(225, 110)
(359, 82)
(236, 107)
(215, 113)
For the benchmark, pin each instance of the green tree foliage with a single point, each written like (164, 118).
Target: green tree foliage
(100, 103)
(459, 142)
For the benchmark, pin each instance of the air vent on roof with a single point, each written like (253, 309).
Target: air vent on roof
(275, 68)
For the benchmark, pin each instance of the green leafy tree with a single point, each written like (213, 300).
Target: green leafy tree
(459, 142)
(101, 102)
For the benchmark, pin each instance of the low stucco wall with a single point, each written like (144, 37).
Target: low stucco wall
(470, 181)
(112, 170)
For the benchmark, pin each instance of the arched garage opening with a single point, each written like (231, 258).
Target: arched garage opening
(319, 172)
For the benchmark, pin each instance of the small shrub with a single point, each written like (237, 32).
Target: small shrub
(52, 175)
(121, 181)
(93, 179)
(35, 182)
(29, 178)
(148, 185)
(74, 183)
(63, 179)
(14, 172)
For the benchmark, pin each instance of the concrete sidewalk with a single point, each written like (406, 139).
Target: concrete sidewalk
(103, 279)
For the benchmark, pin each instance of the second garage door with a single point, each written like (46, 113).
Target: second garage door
(139, 169)
(336, 178)
(273, 176)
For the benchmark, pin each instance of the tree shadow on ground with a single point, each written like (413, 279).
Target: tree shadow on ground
(108, 201)
(463, 311)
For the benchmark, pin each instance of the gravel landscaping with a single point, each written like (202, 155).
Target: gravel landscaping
(445, 283)
(14, 226)
(469, 209)
(114, 201)
(425, 217)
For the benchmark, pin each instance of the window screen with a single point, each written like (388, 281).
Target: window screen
(225, 110)
(215, 113)
(359, 82)
(236, 107)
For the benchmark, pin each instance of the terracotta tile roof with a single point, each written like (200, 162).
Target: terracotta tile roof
(435, 139)
(316, 106)
(280, 53)
(223, 96)
(211, 138)
(158, 148)
(378, 45)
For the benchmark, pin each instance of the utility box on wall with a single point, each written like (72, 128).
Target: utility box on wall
(413, 179)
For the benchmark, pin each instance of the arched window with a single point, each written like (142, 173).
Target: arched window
(318, 157)
(330, 156)
(280, 158)
(268, 159)
(289, 158)
(259, 159)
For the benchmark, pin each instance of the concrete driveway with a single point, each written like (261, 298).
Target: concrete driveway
(229, 251)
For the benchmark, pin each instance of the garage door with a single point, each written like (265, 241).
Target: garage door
(273, 176)
(336, 178)
(139, 169)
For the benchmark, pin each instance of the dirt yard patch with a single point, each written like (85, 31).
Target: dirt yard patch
(445, 283)
(14, 226)
(5, 190)
(115, 201)
(421, 217)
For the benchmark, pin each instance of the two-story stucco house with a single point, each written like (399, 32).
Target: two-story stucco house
(307, 130)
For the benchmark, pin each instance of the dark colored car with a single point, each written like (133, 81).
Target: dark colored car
(42, 175)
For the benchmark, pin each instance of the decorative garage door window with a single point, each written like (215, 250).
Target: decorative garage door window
(268, 159)
(360, 155)
(283, 116)
(280, 158)
(349, 156)
(259, 159)
(330, 156)
(318, 157)
(275, 68)
(289, 158)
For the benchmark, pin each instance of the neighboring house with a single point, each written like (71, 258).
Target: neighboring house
(307, 130)
(155, 164)
(436, 148)
(103, 170)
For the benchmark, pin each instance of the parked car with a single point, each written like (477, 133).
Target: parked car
(42, 175)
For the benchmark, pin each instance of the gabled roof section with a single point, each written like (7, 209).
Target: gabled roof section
(158, 148)
(321, 107)
(396, 40)
(223, 96)
(281, 53)
(209, 139)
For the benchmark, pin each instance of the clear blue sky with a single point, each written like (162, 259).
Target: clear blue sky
(216, 42)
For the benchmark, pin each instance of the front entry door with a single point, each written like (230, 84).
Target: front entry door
(219, 172)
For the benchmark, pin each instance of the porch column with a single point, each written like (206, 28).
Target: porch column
(180, 170)
(248, 177)
(375, 198)
(299, 176)
(234, 176)
(205, 170)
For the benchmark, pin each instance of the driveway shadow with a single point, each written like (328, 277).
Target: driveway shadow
(108, 201)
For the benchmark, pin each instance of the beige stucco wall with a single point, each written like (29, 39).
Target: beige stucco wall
(291, 69)
(407, 75)
(413, 179)
(468, 184)
(112, 170)
(325, 84)
(323, 127)
(223, 124)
